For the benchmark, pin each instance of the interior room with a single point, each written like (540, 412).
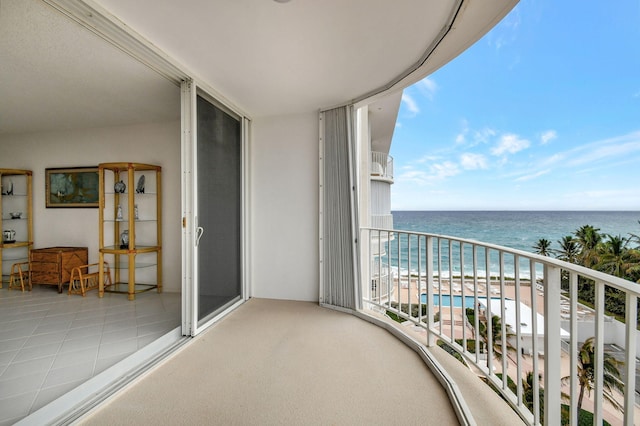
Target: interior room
(69, 99)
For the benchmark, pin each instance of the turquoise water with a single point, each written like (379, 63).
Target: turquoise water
(469, 301)
(515, 229)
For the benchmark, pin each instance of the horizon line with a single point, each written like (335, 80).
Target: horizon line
(514, 210)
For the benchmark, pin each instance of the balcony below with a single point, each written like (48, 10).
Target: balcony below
(381, 167)
(382, 221)
(285, 362)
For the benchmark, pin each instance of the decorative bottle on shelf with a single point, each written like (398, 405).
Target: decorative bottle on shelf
(135, 211)
(124, 239)
(140, 187)
(119, 187)
(119, 213)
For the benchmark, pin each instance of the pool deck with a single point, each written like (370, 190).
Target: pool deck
(453, 323)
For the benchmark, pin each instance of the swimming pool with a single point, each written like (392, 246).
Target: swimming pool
(457, 300)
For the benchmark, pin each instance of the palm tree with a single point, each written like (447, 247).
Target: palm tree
(635, 238)
(542, 247)
(586, 374)
(569, 249)
(588, 239)
(527, 393)
(496, 336)
(615, 256)
(633, 271)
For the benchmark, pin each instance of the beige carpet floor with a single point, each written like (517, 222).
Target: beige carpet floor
(281, 362)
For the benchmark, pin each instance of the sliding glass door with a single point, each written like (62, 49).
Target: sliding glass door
(218, 215)
(213, 158)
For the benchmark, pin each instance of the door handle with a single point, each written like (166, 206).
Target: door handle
(199, 232)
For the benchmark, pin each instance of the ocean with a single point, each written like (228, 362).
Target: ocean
(516, 229)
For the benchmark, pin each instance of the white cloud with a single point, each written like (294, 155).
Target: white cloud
(470, 161)
(604, 150)
(410, 103)
(444, 170)
(533, 175)
(434, 173)
(506, 31)
(427, 158)
(548, 136)
(484, 135)
(427, 87)
(469, 137)
(462, 136)
(510, 144)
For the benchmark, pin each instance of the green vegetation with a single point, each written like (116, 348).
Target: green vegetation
(612, 378)
(585, 418)
(543, 247)
(447, 348)
(612, 254)
(496, 333)
(404, 307)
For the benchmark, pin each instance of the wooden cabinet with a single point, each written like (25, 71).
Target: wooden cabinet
(53, 265)
(130, 221)
(16, 220)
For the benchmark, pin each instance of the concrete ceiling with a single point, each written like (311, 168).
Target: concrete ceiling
(267, 57)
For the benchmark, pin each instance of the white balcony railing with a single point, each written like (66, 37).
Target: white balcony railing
(381, 165)
(383, 221)
(449, 288)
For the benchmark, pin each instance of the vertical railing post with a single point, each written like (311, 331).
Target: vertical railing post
(419, 280)
(464, 299)
(429, 271)
(573, 367)
(387, 252)
(489, 314)
(503, 325)
(552, 347)
(599, 353)
(409, 311)
(630, 360)
(534, 340)
(518, 330)
(476, 310)
(367, 266)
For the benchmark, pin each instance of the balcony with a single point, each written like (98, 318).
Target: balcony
(445, 289)
(292, 362)
(381, 167)
(287, 362)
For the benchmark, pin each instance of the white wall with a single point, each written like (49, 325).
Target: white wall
(614, 333)
(284, 207)
(157, 143)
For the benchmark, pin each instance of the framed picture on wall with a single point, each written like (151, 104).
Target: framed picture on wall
(71, 187)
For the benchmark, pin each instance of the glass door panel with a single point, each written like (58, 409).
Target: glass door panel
(218, 212)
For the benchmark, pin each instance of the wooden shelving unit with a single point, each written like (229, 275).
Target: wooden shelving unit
(135, 262)
(17, 190)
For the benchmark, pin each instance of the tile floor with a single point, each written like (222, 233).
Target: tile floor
(51, 343)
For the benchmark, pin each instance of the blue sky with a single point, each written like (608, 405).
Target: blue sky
(543, 113)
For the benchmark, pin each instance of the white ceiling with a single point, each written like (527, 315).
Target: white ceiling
(55, 75)
(266, 57)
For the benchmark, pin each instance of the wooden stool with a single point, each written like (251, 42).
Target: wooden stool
(18, 274)
(86, 277)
